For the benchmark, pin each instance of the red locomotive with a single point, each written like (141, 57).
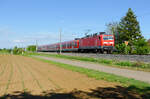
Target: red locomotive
(98, 42)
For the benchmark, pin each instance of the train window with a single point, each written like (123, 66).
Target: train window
(108, 37)
(99, 38)
(75, 44)
(68, 45)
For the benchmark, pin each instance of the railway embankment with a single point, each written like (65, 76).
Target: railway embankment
(117, 57)
(132, 58)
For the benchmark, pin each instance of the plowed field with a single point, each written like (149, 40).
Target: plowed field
(29, 78)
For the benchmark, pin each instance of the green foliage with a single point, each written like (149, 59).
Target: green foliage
(18, 50)
(124, 63)
(129, 28)
(5, 51)
(105, 61)
(123, 49)
(149, 42)
(31, 48)
(141, 47)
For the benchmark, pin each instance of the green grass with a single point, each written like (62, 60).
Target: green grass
(121, 64)
(132, 84)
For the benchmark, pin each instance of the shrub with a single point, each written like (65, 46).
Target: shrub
(123, 49)
(141, 47)
(31, 48)
(6, 51)
(18, 50)
(124, 63)
(105, 61)
(138, 64)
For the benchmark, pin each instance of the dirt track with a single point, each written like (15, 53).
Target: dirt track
(26, 78)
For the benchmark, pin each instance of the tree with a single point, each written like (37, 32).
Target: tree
(31, 48)
(18, 50)
(129, 29)
(15, 50)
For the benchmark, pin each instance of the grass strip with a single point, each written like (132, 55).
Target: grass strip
(121, 64)
(126, 82)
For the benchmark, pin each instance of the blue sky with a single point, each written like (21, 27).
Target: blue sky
(24, 21)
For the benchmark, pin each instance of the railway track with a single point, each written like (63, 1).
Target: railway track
(119, 57)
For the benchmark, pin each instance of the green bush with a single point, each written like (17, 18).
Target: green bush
(18, 50)
(123, 63)
(31, 48)
(6, 51)
(105, 61)
(123, 49)
(141, 47)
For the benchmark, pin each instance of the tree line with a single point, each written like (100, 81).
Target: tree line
(16, 50)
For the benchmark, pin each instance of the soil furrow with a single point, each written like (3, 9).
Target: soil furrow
(43, 73)
(21, 77)
(9, 79)
(30, 83)
(16, 83)
(37, 81)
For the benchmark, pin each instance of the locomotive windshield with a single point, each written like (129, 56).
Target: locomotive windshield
(108, 37)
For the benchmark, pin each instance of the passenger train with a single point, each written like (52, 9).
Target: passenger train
(98, 42)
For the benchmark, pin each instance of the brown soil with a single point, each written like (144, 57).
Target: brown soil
(27, 78)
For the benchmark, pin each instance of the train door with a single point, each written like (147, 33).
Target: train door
(96, 43)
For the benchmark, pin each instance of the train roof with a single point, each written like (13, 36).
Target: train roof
(87, 36)
(57, 43)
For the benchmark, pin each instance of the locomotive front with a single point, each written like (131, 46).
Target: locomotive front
(107, 43)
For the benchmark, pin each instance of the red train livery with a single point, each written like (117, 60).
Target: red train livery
(98, 42)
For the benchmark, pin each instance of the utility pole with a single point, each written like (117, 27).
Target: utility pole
(60, 42)
(22, 50)
(36, 45)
